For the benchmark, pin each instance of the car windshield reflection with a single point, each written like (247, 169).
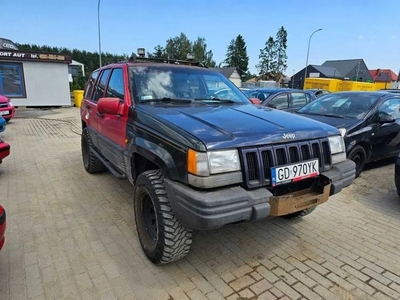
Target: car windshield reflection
(341, 105)
(155, 83)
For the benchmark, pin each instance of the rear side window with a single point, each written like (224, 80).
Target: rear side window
(299, 100)
(90, 84)
(101, 85)
(115, 87)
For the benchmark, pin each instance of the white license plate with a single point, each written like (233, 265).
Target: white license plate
(294, 172)
(2, 113)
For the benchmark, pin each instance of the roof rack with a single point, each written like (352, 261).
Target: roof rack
(136, 59)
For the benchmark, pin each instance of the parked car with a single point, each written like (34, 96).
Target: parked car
(281, 98)
(7, 109)
(4, 149)
(319, 92)
(198, 161)
(390, 90)
(2, 226)
(2, 124)
(368, 121)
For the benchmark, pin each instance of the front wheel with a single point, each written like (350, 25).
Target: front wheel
(359, 156)
(162, 237)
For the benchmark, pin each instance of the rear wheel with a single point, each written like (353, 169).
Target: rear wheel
(301, 213)
(163, 238)
(359, 156)
(91, 163)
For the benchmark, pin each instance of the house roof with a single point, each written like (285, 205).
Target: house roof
(343, 66)
(227, 71)
(76, 63)
(383, 75)
(328, 71)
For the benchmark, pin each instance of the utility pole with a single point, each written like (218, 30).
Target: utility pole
(98, 28)
(308, 52)
(293, 80)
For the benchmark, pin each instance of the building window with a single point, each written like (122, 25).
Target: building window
(12, 82)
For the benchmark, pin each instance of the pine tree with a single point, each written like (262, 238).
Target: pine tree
(236, 55)
(281, 57)
(267, 64)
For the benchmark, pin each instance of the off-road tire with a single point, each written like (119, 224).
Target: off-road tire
(359, 156)
(8, 120)
(165, 240)
(301, 213)
(91, 163)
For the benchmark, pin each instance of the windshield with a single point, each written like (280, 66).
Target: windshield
(347, 105)
(186, 84)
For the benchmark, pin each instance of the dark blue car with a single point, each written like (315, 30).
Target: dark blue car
(289, 100)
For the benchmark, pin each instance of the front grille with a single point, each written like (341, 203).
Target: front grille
(259, 161)
(3, 105)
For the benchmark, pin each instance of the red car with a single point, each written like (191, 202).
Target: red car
(7, 109)
(2, 226)
(4, 149)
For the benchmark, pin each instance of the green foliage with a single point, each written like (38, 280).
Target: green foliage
(236, 55)
(267, 64)
(89, 59)
(179, 46)
(273, 59)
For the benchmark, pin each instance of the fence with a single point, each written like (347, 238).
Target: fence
(260, 84)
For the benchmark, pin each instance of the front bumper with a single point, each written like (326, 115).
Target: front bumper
(199, 209)
(10, 110)
(4, 150)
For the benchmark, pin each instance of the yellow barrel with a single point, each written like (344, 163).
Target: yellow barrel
(78, 95)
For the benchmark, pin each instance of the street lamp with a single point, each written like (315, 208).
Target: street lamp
(293, 80)
(98, 28)
(308, 52)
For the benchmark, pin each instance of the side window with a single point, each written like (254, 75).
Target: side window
(90, 84)
(280, 102)
(299, 100)
(115, 88)
(309, 98)
(390, 107)
(100, 86)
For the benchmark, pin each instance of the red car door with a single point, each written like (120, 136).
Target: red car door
(94, 91)
(112, 128)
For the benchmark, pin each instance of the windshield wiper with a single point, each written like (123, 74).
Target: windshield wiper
(334, 116)
(168, 100)
(214, 99)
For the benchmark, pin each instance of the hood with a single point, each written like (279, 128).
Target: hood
(336, 122)
(226, 126)
(3, 99)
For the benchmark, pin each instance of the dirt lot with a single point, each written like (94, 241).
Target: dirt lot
(71, 235)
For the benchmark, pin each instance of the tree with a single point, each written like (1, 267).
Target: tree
(236, 55)
(267, 63)
(281, 57)
(178, 47)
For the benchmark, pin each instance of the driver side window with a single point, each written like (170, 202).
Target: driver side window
(280, 102)
(390, 107)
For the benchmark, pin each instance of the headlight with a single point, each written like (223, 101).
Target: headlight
(337, 144)
(343, 131)
(213, 162)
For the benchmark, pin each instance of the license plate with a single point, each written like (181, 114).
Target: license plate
(294, 172)
(2, 113)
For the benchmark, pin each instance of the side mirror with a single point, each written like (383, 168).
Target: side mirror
(108, 106)
(255, 101)
(383, 118)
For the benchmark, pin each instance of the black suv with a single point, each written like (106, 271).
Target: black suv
(201, 161)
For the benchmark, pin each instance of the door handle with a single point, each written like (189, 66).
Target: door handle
(87, 106)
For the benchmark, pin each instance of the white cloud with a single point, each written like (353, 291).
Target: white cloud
(360, 37)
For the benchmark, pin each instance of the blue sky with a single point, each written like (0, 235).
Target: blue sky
(350, 29)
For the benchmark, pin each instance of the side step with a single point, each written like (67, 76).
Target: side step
(108, 165)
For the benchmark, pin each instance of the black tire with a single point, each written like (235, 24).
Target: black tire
(91, 163)
(301, 213)
(359, 156)
(8, 120)
(163, 238)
